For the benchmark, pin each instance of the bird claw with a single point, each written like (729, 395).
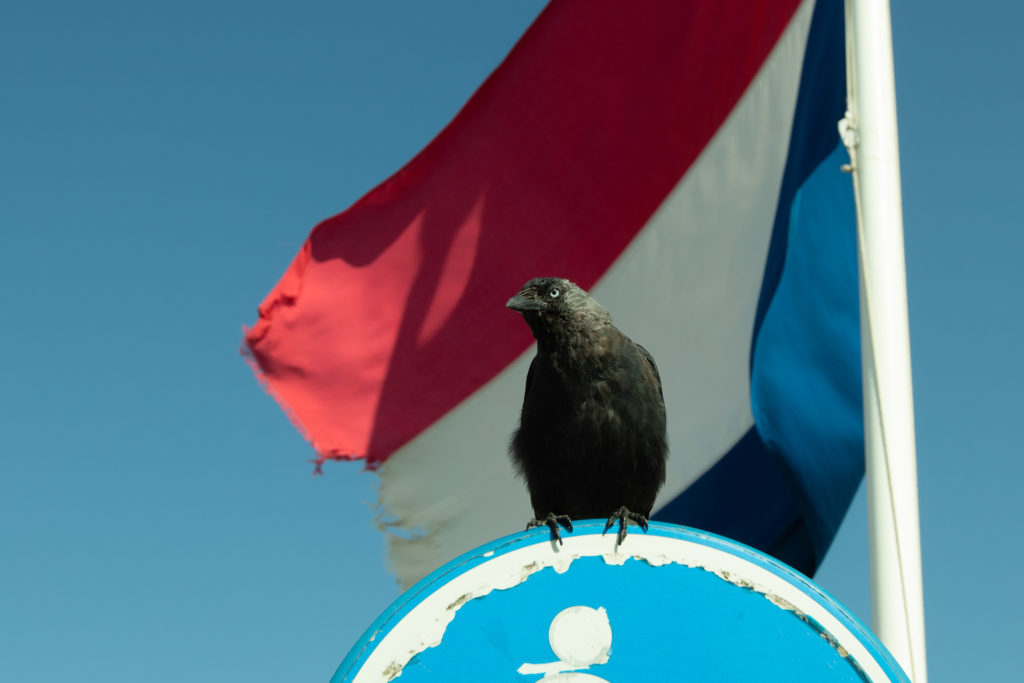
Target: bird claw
(552, 521)
(623, 515)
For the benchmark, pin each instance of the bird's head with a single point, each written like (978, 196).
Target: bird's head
(554, 307)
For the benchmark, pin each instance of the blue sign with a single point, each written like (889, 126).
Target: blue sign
(672, 604)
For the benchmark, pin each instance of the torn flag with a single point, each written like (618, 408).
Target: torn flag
(679, 160)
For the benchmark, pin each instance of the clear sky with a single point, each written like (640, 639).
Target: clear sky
(160, 165)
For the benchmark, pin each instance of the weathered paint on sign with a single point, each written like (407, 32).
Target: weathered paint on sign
(672, 604)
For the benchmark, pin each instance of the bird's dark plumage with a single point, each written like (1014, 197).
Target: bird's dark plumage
(591, 440)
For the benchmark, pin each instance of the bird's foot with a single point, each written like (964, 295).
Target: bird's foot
(623, 515)
(552, 521)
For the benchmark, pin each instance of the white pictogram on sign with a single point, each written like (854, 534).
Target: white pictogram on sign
(580, 637)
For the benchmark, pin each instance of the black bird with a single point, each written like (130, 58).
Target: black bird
(591, 440)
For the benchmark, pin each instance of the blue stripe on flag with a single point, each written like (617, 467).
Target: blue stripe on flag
(785, 486)
(805, 375)
(744, 497)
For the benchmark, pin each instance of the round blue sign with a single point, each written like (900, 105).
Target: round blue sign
(671, 604)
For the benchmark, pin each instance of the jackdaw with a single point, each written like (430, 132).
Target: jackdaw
(591, 440)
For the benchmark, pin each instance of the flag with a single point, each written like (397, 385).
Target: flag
(679, 160)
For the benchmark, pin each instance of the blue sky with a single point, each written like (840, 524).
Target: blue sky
(161, 165)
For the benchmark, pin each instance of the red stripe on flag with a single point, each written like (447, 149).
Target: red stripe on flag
(393, 311)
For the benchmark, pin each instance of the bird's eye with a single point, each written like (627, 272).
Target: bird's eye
(553, 292)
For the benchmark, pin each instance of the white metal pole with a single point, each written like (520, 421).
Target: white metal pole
(869, 131)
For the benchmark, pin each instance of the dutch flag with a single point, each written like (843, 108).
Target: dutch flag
(681, 161)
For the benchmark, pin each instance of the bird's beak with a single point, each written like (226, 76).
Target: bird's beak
(522, 304)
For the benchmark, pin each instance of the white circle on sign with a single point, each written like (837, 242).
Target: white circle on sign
(581, 635)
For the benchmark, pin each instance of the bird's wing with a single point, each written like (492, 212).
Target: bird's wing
(650, 362)
(529, 378)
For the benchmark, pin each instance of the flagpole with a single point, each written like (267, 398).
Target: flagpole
(869, 131)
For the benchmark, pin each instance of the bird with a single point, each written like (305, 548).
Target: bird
(591, 440)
